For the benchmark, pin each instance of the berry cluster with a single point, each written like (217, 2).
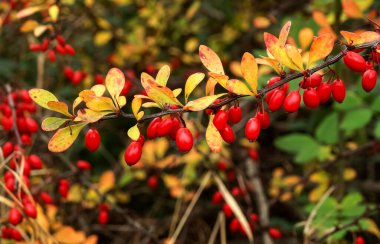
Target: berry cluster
(221, 119)
(53, 46)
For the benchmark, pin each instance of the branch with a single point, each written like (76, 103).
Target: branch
(260, 93)
(8, 89)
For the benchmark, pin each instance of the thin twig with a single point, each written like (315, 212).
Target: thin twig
(8, 88)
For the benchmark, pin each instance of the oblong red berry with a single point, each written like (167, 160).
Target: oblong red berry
(35, 161)
(30, 210)
(338, 90)
(235, 114)
(7, 148)
(369, 78)
(292, 101)
(164, 127)
(354, 61)
(151, 131)
(31, 125)
(311, 81)
(184, 140)
(264, 118)
(275, 233)
(15, 216)
(153, 182)
(324, 92)
(228, 134)
(83, 165)
(220, 120)
(276, 100)
(103, 217)
(133, 153)
(252, 129)
(311, 98)
(92, 140)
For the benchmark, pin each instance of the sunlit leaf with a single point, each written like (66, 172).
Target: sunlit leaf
(67, 234)
(101, 104)
(284, 33)
(213, 138)
(320, 48)
(150, 105)
(42, 97)
(305, 36)
(29, 26)
(136, 105)
(238, 87)
(249, 70)
(28, 11)
(90, 116)
(54, 12)
(122, 101)
(163, 75)
(357, 39)
(210, 60)
(59, 107)
(272, 63)
(98, 89)
(295, 56)
(210, 86)
(65, 137)
(52, 123)
(278, 52)
(261, 22)
(39, 30)
(76, 102)
(192, 82)
(134, 132)
(115, 82)
(106, 181)
(221, 79)
(201, 103)
(352, 9)
(102, 37)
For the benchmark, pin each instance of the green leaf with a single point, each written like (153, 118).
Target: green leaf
(375, 106)
(351, 205)
(356, 119)
(327, 130)
(52, 123)
(351, 101)
(42, 97)
(65, 137)
(126, 178)
(377, 130)
(338, 235)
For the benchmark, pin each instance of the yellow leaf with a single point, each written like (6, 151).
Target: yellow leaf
(75, 193)
(28, 11)
(305, 36)
(67, 234)
(320, 48)
(101, 104)
(213, 137)
(98, 90)
(136, 105)
(76, 102)
(29, 26)
(65, 137)
(261, 22)
(221, 79)
(373, 228)
(106, 181)
(295, 56)
(177, 91)
(90, 116)
(210, 60)
(87, 95)
(272, 63)
(230, 200)
(192, 82)
(122, 100)
(52, 123)
(39, 30)
(210, 86)
(140, 115)
(92, 239)
(134, 132)
(238, 87)
(54, 12)
(202, 103)
(278, 52)
(42, 97)
(349, 174)
(42, 220)
(235, 68)
(163, 75)
(284, 33)
(102, 37)
(59, 107)
(115, 82)
(356, 39)
(150, 105)
(249, 70)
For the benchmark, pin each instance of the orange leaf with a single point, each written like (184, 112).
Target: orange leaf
(101, 104)
(106, 181)
(278, 52)
(221, 79)
(59, 107)
(306, 37)
(213, 137)
(272, 63)
(210, 60)
(351, 9)
(163, 75)
(261, 22)
(295, 56)
(65, 137)
(90, 116)
(356, 39)
(115, 81)
(67, 234)
(201, 103)
(238, 87)
(210, 86)
(136, 105)
(320, 48)
(320, 18)
(249, 70)
(284, 33)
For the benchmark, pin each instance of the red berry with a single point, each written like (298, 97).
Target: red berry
(6, 232)
(252, 129)
(7, 148)
(31, 125)
(273, 80)
(275, 233)
(16, 235)
(228, 134)
(254, 218)
(26, 140)
(175, 127)
(376, 54)
(235, 115)
(141, 140)
(35, 161)
(227, 210)
(30, 210)
(311, 81)
(34, 47)
(292, 101)
(217, 198)
(133, 153)
(6, 110)
(369, 78)
(83, 165)
(69, 50)
(220, 120)
(51, 56)
(359, 240)
(164, 127)
(60, 49)
(99, 79)
(151, 131)
(103, 217)
(324, 92)
(14, 216)
(10, 184)
(210, 111)
(45, 44)
(61, 40)
(69, 72)
(236, 191)
(264, 118)
(77, 77)
(127, 87)
(276, 100)
(7, 123)
(338, 90)
(184, 139)
(153, 182)
(222, 165)
(253, 154)
(354, 61)
(311, 98)
(234, 225)
(46, 198)
(63, 188)
(92, 140)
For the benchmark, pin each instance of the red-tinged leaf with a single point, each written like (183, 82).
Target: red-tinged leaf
(42, 97)
(115, 81)
(65, 137)
(249, 70)
(90, 116)
(98, 89)
(52, 123)
(163, 75)
(210, 60)
(284, 33)
(29, 11)
(277, 51)
(59, 107)
(352, 9)
(305, 36)
(238, 87)
(202, 103)
(357, 39)
(320, 48)
(221, 79)
(272, 63)
(210, 86)
(101, 104)
(294, 54)
(213, 138)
